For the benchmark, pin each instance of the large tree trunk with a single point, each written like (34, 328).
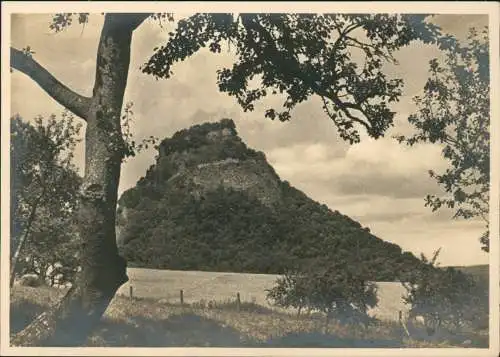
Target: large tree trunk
(103, 271)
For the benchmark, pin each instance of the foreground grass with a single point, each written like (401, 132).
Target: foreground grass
(149, 323)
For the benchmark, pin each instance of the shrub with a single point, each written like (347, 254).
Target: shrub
(31, 280)
(445, 298)
(330, 287)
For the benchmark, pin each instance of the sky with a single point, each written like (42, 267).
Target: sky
(380, 183)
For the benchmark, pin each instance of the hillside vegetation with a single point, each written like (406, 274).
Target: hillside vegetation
(480, 273)
(211, 203)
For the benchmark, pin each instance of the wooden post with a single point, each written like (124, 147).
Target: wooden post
(403, 324)
(131, 290)
(182, 297)
(238, 301)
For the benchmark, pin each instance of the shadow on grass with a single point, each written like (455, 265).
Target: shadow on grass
(188, 330)
(319, 340)
(184, 330)
(22, 313)
(191, 330)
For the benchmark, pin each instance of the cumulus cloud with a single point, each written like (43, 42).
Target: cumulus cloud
(458, 240)
(373, 167)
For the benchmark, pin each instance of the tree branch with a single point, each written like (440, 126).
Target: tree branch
(292, 67)
(126, 21)
(344, 108)
(74, 102)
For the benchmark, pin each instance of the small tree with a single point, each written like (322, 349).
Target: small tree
(52, 250)
(443, 297)
(44, 193)
(330, 287)
(290, 291)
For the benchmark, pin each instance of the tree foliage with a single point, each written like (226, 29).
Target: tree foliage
(445, 297)
(330, 286)
(51, 252)
(454, 111)
(131, 146)
(44, 196)
(302, 55)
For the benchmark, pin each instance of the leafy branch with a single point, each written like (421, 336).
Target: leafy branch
(454, 112)
(132, 148)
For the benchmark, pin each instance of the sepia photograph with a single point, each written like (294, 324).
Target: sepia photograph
(229, 178)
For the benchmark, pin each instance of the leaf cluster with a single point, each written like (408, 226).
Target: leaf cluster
(454, 112)
(300, 56)
(131, 147)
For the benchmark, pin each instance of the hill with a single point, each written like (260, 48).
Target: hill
(211, 203)
(480, 273)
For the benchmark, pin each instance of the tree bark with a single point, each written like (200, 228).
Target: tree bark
(103, 271)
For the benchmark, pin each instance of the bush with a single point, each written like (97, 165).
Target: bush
(51, 253)
(445, 298)
(44, 196)
(31, 280)
(329, 287)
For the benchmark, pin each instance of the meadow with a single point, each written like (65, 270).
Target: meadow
(209, 317)
(154, 317)
(199, 286)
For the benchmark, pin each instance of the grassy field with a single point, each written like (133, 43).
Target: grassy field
(154, 317)
(149, 323)
(212, 286)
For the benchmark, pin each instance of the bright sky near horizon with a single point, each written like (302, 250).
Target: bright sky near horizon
(380, 183)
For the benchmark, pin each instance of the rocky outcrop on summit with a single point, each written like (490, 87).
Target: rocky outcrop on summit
(210, 155)
(241, 175)
(211, 203)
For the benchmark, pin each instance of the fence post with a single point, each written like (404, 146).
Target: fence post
(403, 324)
(182, 297)
(238, 301)
(131, 292)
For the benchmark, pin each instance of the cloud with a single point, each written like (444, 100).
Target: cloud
(458, 239)
(382, 184)
(374, 167)
(371, 179)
